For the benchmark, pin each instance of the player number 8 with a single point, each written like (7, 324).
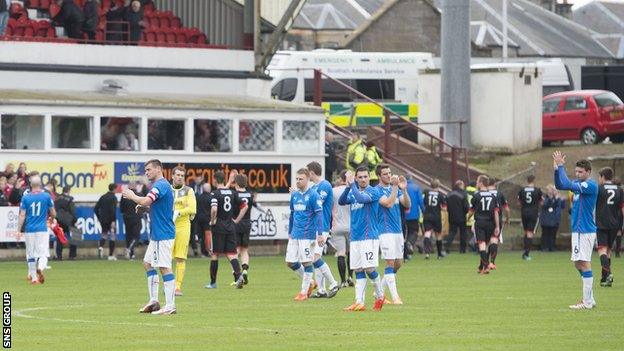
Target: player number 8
(227, 204)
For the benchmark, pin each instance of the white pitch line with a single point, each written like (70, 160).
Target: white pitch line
(22, 314)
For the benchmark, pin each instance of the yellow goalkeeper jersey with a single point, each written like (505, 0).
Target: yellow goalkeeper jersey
(184, 202)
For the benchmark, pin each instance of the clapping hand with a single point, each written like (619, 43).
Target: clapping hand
(350, 178)
(394, 180)
(402, 183)
(558, 159)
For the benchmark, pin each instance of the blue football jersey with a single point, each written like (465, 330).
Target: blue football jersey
(390, 218)
(583, 202)
(364, 211)
(37, 206)
(305, 214)
(161, 211)
(326, 195)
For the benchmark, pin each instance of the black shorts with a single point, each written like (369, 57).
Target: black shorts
(242, 233)
(606, 237)
(433, 224)
(529, 221)
(484, 231)
(413, 226)
(223, 243)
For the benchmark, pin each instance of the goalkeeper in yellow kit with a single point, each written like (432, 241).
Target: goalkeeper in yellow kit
(185, 207)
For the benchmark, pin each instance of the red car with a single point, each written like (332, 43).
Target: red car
(588, 115)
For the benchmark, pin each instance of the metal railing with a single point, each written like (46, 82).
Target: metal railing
(393, 125)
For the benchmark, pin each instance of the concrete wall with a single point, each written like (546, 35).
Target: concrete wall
(410, 25)
(506, 112)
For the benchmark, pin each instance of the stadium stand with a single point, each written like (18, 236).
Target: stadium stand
(30, 20)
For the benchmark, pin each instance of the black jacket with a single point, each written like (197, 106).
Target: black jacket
(91, 18)
(105, 208)
(3, 6)
(65, 210)
(330, 159)
(70, 13)
(203, 207)
(3, 200)
(128, 210)
(134, 19)
(457, 206)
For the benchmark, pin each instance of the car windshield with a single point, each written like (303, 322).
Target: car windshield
(607, 99)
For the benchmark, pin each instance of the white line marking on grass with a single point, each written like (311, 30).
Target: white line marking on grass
(21, 313)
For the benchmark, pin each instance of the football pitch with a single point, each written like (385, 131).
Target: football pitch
(93, 305)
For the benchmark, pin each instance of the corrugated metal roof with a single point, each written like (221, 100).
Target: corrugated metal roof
(335, 14)
(606, 19)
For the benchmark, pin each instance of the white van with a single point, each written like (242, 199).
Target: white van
(556, 76)
(391, 78)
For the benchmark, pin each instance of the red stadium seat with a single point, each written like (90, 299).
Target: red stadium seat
(150, 36)
(180, 36)
(35, 4)
(170, 36)
(45, 4)
(99, 35)
(175, 22)
(29, 31)
(161, 37)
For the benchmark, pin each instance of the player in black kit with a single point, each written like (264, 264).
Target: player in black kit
(530, 198)
(484, 207)
(223, 206)
(243, 228)
(609, 214)
(435, 202)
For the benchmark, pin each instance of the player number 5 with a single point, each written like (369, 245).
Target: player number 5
(307, 252)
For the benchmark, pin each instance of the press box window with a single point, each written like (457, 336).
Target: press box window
(301, 137)
(120, 133)
(22, 132)
(212, 135)
(72, 132)
(165, 134)
(256, 135)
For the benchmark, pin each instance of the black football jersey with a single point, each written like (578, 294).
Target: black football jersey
(226, 201)
(609, 207)
(245, 197)
(502, 203)
(530, 198)
(434, 201)
(484, 205)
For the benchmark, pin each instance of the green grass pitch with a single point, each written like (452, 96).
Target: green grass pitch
(93, 305)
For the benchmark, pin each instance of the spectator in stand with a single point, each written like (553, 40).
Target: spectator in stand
(134, 17)
(14, 189)
(22, 173)
(115, 30)
(550, 217)
(5, 5)
(66, 218)
(50, 187)
(91, 18)
(132, 221)
(331, 163)
(70, 17)
(4, 201)
(9, 169)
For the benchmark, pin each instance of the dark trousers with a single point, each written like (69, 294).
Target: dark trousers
(453, 229)
(59, 247)
(549, 236)
(133, 233)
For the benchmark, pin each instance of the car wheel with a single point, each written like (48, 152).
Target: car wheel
(589, 136)
(618, 139)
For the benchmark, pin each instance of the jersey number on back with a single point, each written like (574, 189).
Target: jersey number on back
(433, 200)
(35, 208)
(485, 203)
(528, 197)
(227, 204)
(610, 197)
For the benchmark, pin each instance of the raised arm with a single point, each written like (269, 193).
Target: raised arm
(343, 200)
(360, 196)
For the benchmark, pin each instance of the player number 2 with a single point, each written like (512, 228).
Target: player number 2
(610, 197)
(227, 204)
(35, 208)
(369, 256)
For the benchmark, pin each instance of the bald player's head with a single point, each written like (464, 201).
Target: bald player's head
(35, 181)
